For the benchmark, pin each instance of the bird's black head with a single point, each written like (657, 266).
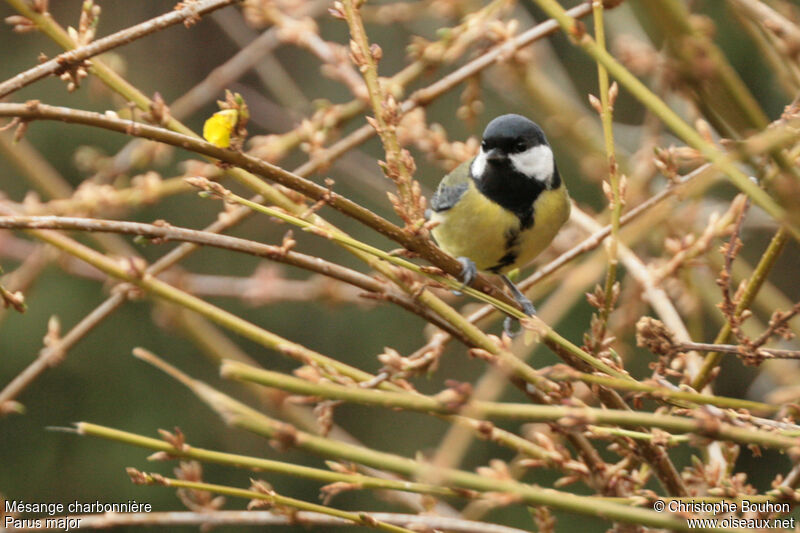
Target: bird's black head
(514, 146)
(512, 134)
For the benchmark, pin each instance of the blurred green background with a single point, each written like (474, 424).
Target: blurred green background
(99, 381)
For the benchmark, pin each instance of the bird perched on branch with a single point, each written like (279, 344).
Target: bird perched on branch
(498, 211)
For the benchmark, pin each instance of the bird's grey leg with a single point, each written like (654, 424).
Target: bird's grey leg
(522, 300)
(468, 272)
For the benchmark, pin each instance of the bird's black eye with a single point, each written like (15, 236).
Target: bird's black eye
(483, 145)
(520, 146)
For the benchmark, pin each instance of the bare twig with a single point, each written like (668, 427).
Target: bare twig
(165, 232)
(766, 353)
(75, 57)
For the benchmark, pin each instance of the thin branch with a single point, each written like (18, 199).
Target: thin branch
(76, 56)
(51, 183)
(261, 491)
(478, 338)
(218, 346)
(657, 391)
(134, 274)
(280, 254)
(657, 297)
(166, 450)
(399, 165)
(765, 353)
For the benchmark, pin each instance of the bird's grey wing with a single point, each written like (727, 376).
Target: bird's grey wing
(447, 196)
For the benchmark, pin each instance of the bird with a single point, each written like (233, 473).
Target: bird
(499, 210)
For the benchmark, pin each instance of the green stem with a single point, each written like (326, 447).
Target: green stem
(638, 435)
(256, 463)
(606, 116)
(481, 409)
(664, 393)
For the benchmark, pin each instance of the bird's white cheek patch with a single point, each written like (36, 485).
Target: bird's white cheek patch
(536, 162)
(478, 165)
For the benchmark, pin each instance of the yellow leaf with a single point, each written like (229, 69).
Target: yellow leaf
(218, 128)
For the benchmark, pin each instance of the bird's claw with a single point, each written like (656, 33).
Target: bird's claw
(508, 326)
(508, 323)
(468, 273)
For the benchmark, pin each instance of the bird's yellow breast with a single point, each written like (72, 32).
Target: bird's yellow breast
(482, 230)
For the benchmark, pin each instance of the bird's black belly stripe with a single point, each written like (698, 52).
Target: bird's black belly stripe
(506, 260)
(512, 251)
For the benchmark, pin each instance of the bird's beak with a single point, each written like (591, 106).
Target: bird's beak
(495, 155)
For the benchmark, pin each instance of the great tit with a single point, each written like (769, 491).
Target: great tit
(498, 211)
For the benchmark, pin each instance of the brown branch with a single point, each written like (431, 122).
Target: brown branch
(37, 111)
(280, 254)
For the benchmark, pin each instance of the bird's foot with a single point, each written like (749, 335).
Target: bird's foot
(523, 301)
(468, 273)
